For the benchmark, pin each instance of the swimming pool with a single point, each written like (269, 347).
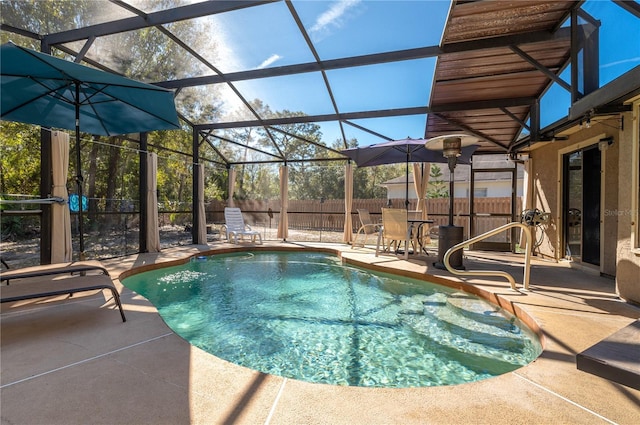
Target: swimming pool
(305, 315)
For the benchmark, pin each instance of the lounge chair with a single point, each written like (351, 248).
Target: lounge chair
(235, 226)
(395, 229)
(367, 227)
(57, 279)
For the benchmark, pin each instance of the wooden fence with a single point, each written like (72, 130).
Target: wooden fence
(329, 215)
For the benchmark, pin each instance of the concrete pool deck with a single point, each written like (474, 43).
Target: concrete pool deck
(75, 362)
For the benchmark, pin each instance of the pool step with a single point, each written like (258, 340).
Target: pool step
(479, 357)
(476, 309)
(470, 315)
(452, 324)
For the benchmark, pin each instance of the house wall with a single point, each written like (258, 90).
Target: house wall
(547, 188)
(610, 200)
(626, 214)
(619, 163)
(397, 191)
(544, 196)
(497, 189)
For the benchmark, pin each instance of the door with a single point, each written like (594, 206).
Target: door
(493, 202)
(581, 205)
(591, 206)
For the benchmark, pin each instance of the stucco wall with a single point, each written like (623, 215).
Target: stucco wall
(544, 197)
(546, 174)
(609, 240)
(628, 266)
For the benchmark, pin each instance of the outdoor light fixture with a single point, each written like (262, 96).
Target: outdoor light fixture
(603, 144)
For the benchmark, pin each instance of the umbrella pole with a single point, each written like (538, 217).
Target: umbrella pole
(79, 170)
(406, 185)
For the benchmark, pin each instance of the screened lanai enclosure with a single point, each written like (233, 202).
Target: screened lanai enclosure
(266, 90)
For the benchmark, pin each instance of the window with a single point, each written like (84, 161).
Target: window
(480, 192)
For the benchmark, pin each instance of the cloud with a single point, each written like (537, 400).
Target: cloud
(271, 59)
(620, 62)
(334, 16)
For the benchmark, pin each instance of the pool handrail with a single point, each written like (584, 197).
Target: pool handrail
(465, 244)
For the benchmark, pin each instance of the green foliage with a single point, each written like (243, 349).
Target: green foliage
(16, 227)
(10, 226)
(19, 159)
(47, 17)
(367, 181)
(437, 187)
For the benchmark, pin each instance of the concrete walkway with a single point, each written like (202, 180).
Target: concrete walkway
(75, 362)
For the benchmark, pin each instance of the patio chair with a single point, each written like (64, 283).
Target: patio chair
(367, 227)
(235, 226)
(395, 229)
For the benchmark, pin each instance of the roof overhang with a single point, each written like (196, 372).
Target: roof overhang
(522, 69)
(610, 98)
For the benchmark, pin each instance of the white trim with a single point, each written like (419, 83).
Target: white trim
(635, 179)
(603, 163)
(527, 198)
(560, 248)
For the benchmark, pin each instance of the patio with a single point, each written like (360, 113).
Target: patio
(71, 362)
(493, 70)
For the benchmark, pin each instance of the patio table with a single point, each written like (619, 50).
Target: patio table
(418, 223)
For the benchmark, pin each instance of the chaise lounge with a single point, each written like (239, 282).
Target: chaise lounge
(236, 226)
(57, 279)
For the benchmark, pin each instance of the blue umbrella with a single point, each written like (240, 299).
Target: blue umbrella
(402, 151)
(43, 90)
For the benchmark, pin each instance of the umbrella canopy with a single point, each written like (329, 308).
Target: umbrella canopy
(399, 151)
(402, 151)
(43, 90)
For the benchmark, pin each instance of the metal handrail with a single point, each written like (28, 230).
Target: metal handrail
(465, 244)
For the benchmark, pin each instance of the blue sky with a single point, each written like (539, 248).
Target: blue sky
(338, 29)
(619, 52)
(267, 36)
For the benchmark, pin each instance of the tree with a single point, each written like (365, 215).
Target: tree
(19, 159)
(148, 55)
(47, 17)
(437, 187)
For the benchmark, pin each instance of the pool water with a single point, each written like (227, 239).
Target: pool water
(309, 317)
